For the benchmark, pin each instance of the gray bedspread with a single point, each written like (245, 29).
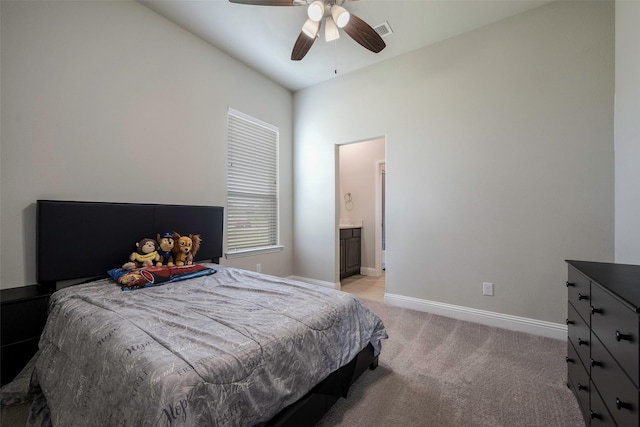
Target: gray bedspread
(230, 349)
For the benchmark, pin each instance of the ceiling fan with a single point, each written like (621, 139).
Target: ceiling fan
(335, 17)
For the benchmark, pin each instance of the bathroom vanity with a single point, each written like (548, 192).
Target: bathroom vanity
(350, 251)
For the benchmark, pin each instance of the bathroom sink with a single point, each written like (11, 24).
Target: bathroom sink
(350, 223)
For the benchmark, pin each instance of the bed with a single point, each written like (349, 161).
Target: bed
(224, 347)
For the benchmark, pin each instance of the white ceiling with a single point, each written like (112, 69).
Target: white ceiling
(262, 36)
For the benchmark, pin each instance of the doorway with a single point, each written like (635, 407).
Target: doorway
(360, 200)
(381, 187)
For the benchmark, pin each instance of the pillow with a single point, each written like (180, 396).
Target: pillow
(146, 277)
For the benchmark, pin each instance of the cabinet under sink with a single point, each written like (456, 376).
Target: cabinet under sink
(350, 251)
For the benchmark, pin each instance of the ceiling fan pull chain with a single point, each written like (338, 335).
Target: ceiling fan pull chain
(335, 57)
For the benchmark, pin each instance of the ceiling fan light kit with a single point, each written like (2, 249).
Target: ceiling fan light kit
(330, 30)
(336, 17)
(315, 11)
(311, 28)
(340, 15)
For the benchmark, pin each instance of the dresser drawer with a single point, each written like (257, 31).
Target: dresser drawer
(619, 394)
(32, 315)
(14, 357)
(617, 327)
(578, 380)
(599, 415)
(579, 334)
(348, 233)
(578, 287)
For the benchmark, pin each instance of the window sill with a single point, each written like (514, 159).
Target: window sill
(253, 251)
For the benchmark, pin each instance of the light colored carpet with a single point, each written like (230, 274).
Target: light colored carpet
(15, 415)
(441, 372)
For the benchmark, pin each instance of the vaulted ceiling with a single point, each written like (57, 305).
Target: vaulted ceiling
(262, 37)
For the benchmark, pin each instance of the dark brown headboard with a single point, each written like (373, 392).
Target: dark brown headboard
(86, 239)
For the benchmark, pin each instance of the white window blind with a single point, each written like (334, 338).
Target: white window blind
(252, 184)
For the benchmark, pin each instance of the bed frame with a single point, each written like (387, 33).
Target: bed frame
(83, 240)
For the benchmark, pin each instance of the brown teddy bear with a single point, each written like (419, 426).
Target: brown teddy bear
(185, 248)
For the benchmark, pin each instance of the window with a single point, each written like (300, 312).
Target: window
(252, 185)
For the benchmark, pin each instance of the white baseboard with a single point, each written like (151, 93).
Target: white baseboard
(367, 271)
(316, 282)
(506, 321)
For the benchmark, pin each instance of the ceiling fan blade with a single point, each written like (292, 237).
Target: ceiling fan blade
(301, 47)
(270, 2)
(362, 33)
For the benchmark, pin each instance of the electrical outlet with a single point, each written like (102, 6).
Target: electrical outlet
(258, 268)
(487, 289)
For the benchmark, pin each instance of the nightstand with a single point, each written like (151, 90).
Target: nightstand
(23, 313)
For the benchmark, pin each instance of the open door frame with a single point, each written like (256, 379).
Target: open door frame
(378, 200)
(380, 167)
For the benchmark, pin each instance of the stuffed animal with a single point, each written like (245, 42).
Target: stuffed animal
(165, 243)
(146, 255)
(185, 248)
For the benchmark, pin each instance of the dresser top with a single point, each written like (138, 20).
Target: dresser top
(622, 280)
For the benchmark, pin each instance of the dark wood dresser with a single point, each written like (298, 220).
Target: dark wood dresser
(23, 313)
(603, 360)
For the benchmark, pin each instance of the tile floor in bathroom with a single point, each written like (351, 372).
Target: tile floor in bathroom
(365, 287)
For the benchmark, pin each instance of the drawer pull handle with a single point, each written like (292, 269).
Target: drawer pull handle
(570, 322)
(568, 359)
(595, 416)
(582, 387)
(569, 284)
(622, 405)
(620, 336)
(595, 310)
(582, 342)
(595, 363)
(581, 297)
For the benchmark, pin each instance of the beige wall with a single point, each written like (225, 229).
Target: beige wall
(627, 132)
(108, 101)
(500, 160)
